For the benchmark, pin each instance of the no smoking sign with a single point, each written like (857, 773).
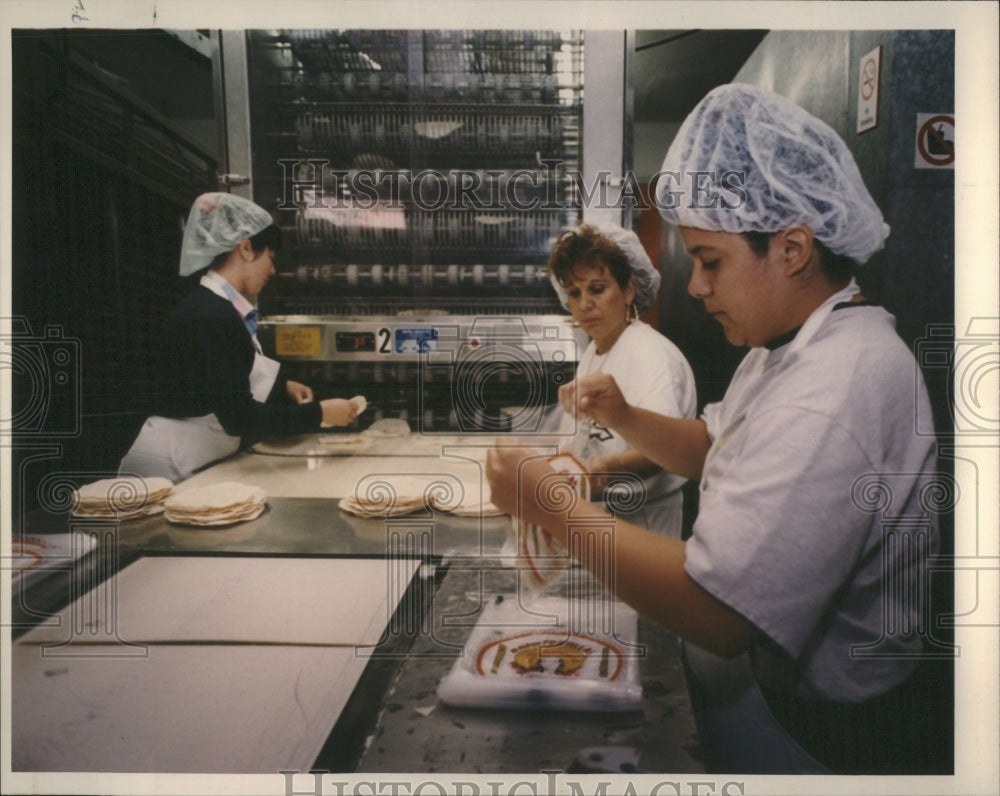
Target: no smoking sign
(868, 77)
(935, 144)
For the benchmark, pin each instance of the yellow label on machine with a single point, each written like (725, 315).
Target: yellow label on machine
(298, 341)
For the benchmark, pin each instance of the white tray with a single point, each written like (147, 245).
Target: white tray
(35, 557)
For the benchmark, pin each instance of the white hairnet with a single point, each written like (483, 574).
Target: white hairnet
(750, 160)
(645, 278)
(216, 224)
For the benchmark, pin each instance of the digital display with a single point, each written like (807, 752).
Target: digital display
(348, 342)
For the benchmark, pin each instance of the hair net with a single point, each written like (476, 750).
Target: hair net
(645, 278)
(216, 224)
(750, 160)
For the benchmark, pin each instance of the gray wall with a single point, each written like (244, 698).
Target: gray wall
(650, 146)
(913, 277)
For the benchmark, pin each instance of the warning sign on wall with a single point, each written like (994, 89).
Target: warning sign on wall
(935, 146)
(868, 74)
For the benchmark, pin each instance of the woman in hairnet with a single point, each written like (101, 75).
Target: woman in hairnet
(216, 387)
(810, 550)
(604, 277)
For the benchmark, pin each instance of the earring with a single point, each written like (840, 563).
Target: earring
(633, 313)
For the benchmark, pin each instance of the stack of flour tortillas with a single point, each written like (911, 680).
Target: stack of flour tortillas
(396, 495)
(388, 427)
(121, 498)
(224, 503)
(471, 503)
(387, 498)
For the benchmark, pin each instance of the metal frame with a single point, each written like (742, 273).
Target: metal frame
(232, 107)
(607, 105)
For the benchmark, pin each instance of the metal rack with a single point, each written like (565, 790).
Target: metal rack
(420, 178)
(508, 133)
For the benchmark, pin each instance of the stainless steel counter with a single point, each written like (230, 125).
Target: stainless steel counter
(418, 733)
(394, 704)
(318, 527)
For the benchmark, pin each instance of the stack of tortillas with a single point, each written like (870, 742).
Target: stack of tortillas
(121, 498)
(470, 503)
(224, 503)
(388, 427)
(405, 495)
(387, 498)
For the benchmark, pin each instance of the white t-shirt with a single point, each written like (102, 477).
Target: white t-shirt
(653, 374)
(792, 531)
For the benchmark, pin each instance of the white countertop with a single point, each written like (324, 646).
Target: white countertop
(303, 467)
(245, 672)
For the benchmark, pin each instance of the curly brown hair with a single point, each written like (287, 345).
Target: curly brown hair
(585, 247)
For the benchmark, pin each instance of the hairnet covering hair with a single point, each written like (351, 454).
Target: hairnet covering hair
(750, 160)
(216, 224)
(645, 278)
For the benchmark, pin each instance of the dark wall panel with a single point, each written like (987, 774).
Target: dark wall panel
(100, 186)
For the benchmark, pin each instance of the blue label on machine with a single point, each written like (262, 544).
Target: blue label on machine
(416, 341)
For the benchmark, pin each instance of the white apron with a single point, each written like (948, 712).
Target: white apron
(175, 448)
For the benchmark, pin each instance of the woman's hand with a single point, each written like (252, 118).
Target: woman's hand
(522, 483)
(298, 392)
(604, 469)
(337, 411)
(596, 396)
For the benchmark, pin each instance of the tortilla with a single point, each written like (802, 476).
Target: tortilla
(360, 403)
(471, 501)
(145, 511)
(223, 503)
(387, 507)
(388, 427)
(483, 508)
(406, 495)
(389, 498)
(123, 497)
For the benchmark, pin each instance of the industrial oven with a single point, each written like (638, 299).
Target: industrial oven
(420, 177)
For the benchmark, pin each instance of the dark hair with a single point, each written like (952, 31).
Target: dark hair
(269, 237)
(585, 246)
(837, 267)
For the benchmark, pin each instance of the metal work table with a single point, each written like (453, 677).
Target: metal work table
(418, 733)
(394, 722)
(302, 527)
